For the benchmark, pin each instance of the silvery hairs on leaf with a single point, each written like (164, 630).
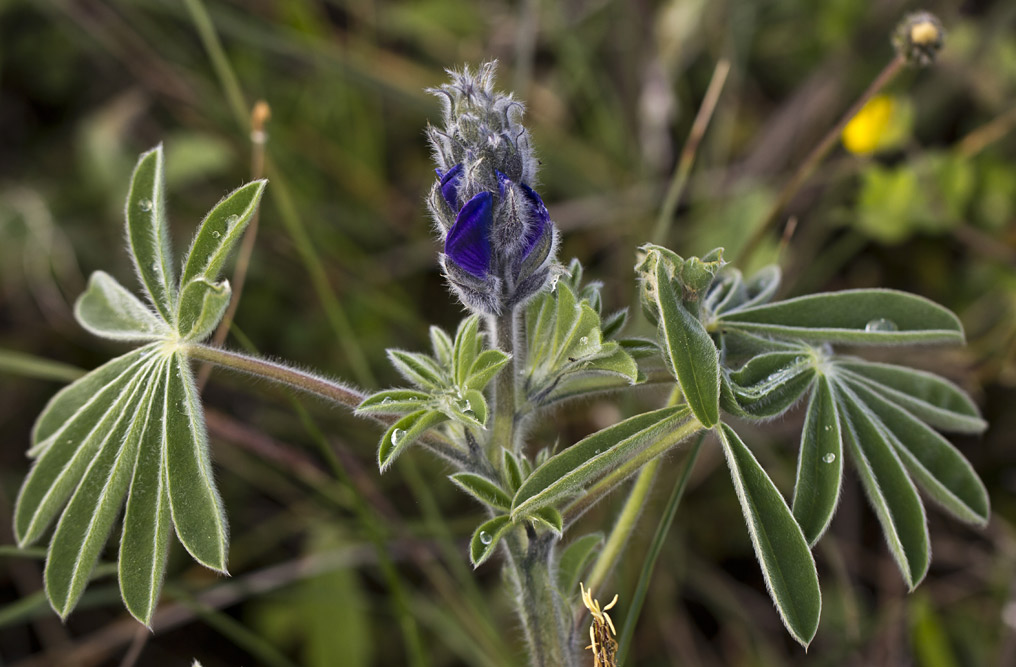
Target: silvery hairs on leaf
(133, 429)
(499, 241)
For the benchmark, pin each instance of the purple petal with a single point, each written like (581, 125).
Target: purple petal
(468, 242)
(503, 182)
(539, 218)
(450, 185)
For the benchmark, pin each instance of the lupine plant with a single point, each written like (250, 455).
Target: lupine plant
(131, 435)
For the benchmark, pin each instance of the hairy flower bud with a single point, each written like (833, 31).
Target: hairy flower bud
(499, 241)
(919, 37)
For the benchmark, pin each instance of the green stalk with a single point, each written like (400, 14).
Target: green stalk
(546, 619)
(502, 434)
(649, 564)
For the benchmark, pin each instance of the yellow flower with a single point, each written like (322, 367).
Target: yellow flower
(866, 132)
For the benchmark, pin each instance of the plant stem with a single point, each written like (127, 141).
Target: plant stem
(502, 433)
(649, 564)
(817, 154)
(328, 389)
(311, 383)
(546, 620)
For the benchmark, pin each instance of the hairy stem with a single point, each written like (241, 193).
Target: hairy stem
(545, 617)
(505, 412)
(311, 383)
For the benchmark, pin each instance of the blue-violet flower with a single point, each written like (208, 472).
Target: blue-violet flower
(499, 241)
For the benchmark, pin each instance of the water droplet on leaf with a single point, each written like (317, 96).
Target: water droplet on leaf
(397, 435)
(486, 537)
(386, 400)
(216, 234)
(584, 340)
(145, 205)
(232, 220)
(829, 458)
(880, 324)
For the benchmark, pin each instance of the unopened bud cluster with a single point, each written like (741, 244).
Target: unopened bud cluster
(918, 38)
(499, 242)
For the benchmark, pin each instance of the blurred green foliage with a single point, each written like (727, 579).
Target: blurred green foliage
(612, 88)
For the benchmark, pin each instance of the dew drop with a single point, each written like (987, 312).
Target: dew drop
(397, 435)
(828, 427)
(597, 451)
(827, 349)
(466, 407)
(386, 400)
(829, 458)
(411, 399)
(880, 324)
(232, 220)
(486, 537)
(145, 205)
(553, 284)
(584, 340)
(216, 234)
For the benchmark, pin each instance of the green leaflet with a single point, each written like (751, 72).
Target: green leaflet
(930, 398)
(888, 487)
(466, 347)
(85, 524)
(80, 402)
(484, 368)
(483, 489)
(486, 537)
(781, 548)
(392, 402)
(442, 345)
(575, 560)
(148, 232)
(859, 317)
(419, 369)
(769, 384)
(202, 306)
(819, 464)
(593, 457)
(220, 231)
(938, 467)
(692, 355)
(405, 432)
(147, 521)
(108, 310)
(512, 472)
(198, 515)
(567, 355)
(62, 463)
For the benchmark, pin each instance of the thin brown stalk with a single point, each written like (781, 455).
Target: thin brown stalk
(687, 159)
(815, 157)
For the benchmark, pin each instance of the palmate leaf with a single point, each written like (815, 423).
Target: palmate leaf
(134, 427)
